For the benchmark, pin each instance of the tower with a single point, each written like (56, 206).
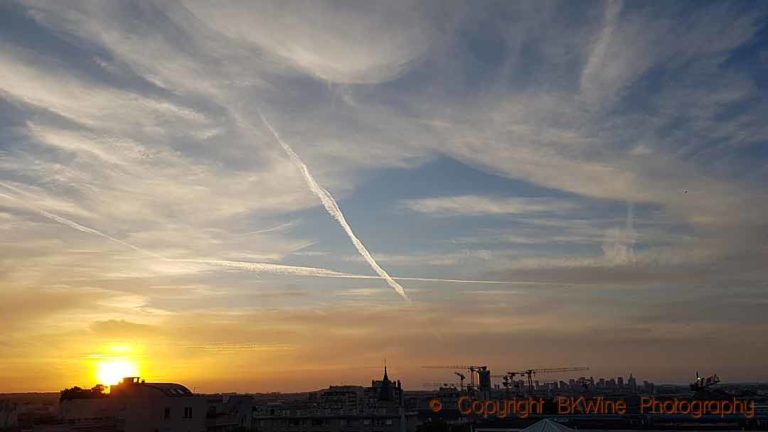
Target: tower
(386, 392)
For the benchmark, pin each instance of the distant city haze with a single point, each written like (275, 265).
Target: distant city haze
(510, 184)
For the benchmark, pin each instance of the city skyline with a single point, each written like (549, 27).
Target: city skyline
(258, 196)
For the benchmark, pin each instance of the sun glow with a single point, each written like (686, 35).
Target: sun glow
(111, 372)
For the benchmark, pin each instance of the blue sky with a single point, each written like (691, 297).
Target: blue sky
(590, 168)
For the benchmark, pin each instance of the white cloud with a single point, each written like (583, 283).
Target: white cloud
(351, 42)
(138, 137)
(475, 205)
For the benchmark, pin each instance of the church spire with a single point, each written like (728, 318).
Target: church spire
(386, 392)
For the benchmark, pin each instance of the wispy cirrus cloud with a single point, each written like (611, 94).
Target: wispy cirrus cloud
(139, 119)
(473, 205)
(316, 37)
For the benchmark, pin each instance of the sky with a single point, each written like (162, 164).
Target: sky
(550, 184)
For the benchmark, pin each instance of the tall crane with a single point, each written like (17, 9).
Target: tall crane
(472, 370)
(530, 373)
(462, 377)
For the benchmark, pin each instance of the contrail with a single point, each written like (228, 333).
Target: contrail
(320, 272)
(272, 229)
(274, 268)
(255, 267)
(484, 282)
(85, 229)
(333, 209)
(75, 225)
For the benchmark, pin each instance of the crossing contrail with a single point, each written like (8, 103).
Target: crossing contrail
(281, 269)
(333, 209)
(85, 229)
(75, 225)
(256, 267)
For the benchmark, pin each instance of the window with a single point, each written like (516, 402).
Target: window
(187, 412)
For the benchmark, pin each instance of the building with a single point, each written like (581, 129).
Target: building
(378, 408)
(649, 387)
(84, 408)
(157, 407)
(9, 418)
(385, 391)
(632, 383)
(344, 399)
(228, 413)
(134, 405)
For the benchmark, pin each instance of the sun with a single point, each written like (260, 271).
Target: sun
(111, 372)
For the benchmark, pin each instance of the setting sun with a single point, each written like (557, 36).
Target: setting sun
(111, 372)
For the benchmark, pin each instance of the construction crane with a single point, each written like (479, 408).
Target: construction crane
(530, 373)
(702, 383)
(472, 370)
(509, 379)
(462, 377)
(503, 379)
(438, 385)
